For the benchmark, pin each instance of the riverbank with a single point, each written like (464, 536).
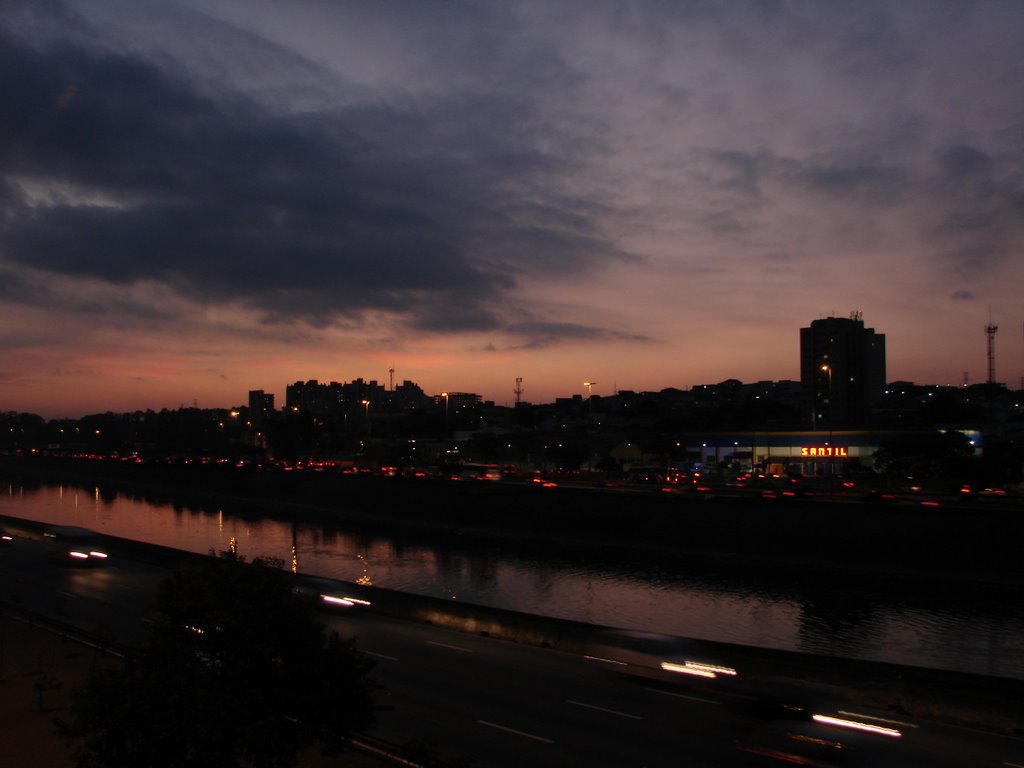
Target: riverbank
(954, 543)
(775, 543)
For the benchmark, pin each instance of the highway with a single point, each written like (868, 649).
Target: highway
(491, 703)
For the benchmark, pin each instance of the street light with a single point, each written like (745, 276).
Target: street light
(445, 396)
(832, 459)
(826, 368)
(590, 393)
(366, 406)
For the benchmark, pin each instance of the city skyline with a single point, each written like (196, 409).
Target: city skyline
(276, 400)
(202, 199)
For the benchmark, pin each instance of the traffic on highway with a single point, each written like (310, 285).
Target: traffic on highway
(633, 699)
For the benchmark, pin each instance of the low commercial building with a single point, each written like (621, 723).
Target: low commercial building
(811, 453)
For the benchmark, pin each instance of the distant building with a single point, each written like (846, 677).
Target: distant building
(457, 401)
(261, 404)
(811, 453)
(312, 397)
(842, 371)
(334, 400)
(408, 396)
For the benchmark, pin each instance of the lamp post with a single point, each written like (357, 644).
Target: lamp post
(590, 393)
(445, 396)
(366, 407)
(832, 459)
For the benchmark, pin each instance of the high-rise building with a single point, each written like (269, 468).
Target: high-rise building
(334, 400)
(842, 371)
(261, 404)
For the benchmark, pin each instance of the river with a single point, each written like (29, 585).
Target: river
(964, 628)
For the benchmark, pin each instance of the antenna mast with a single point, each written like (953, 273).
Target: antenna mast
(991, 331)
(519, 389)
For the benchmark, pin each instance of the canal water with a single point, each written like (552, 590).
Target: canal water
(960, 628)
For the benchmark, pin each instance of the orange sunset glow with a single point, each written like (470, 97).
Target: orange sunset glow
(202, 201)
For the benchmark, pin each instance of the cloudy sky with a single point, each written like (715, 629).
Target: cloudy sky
(202, 198)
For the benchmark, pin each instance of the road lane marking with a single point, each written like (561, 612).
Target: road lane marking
(602, 709)
(683, 696)
(380, 656)
(451, 647)
(517, 733)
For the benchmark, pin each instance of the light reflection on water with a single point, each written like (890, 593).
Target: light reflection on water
(964, 632)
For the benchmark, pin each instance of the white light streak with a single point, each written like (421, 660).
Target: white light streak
(697, 668)
(857, 726)
(684, 669)
(336, 600)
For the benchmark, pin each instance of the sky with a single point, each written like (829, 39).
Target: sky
(203, 198)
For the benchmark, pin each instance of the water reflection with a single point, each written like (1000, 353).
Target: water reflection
(835, 623)
(860, 615)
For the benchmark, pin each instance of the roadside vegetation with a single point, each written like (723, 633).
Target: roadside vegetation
(235, 670)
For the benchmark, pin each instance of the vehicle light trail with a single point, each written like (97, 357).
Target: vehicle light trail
(857, 726)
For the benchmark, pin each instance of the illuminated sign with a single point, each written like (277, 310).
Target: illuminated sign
(825, 451)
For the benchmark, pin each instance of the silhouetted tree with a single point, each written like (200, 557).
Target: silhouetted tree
(932, 456)
(236, 670)
(568, 452)
(485, 446)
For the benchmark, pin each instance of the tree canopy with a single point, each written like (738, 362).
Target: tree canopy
(235, 670)
(926, 456)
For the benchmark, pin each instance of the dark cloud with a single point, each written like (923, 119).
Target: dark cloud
(35, 288)
(540, 334)
(437, 161)
(743, 175)
(965, 202)
(122, 172)
(976, 216)
(868, 184)
(962, 163)
(735, 171)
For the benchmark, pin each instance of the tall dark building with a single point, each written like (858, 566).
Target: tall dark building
(842, 371)
(334, 400)
(261, 404)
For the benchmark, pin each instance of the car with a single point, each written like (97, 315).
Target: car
(326, 593)
(6, 537)
(76, 546)
(663, 658)
(822, 741)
